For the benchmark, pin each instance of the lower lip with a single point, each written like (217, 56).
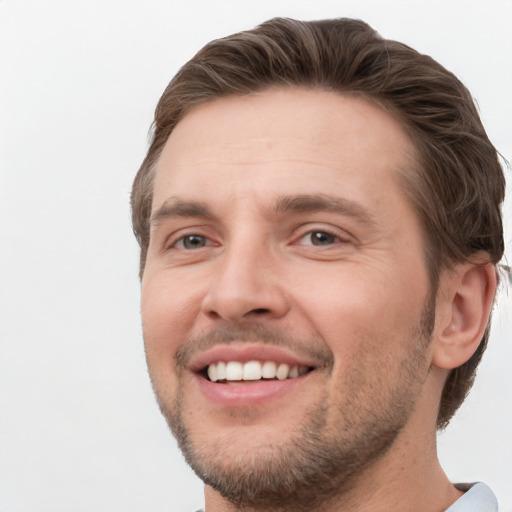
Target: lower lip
(248, 394)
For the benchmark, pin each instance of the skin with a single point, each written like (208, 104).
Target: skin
(352, 307)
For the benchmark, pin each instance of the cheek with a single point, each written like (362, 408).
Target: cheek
(351, 306)
(167, 317)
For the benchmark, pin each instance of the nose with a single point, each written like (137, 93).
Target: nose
(246, 286)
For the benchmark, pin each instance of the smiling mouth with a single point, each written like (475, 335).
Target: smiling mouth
(252, 371)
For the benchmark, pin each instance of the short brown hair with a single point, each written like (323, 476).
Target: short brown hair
(456, 187)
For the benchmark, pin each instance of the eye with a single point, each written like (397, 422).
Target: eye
(320, 238)
(191, 242)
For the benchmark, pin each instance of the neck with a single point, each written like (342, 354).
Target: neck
(420, 485)
(407, 477)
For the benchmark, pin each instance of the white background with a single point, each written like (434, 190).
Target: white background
(79, 428)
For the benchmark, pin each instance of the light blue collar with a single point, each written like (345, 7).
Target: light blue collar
(478, 498)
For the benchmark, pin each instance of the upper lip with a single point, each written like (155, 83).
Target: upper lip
(245, 352)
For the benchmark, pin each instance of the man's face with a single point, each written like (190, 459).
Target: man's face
(282, 243)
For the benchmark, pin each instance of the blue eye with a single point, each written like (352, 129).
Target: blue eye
(191, 242)
(320, 238)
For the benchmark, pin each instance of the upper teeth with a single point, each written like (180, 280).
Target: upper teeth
(253, 370)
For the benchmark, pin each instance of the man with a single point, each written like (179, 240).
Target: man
(319, 221)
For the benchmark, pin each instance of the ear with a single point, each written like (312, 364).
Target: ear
(463, 307)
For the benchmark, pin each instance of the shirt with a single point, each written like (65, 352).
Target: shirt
(477, 498)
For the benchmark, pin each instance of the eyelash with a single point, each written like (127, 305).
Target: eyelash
(183, 238)
(331, 237)
(334, 237)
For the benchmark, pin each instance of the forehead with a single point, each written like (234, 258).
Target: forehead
(264, 139)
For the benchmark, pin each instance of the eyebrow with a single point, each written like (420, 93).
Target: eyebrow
(322, 202)
(174, 207)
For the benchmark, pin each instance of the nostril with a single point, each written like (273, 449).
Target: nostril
(260, 311)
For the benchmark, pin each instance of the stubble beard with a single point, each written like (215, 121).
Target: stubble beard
(319, 462)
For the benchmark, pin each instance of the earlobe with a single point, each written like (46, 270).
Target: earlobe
(462, 312)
